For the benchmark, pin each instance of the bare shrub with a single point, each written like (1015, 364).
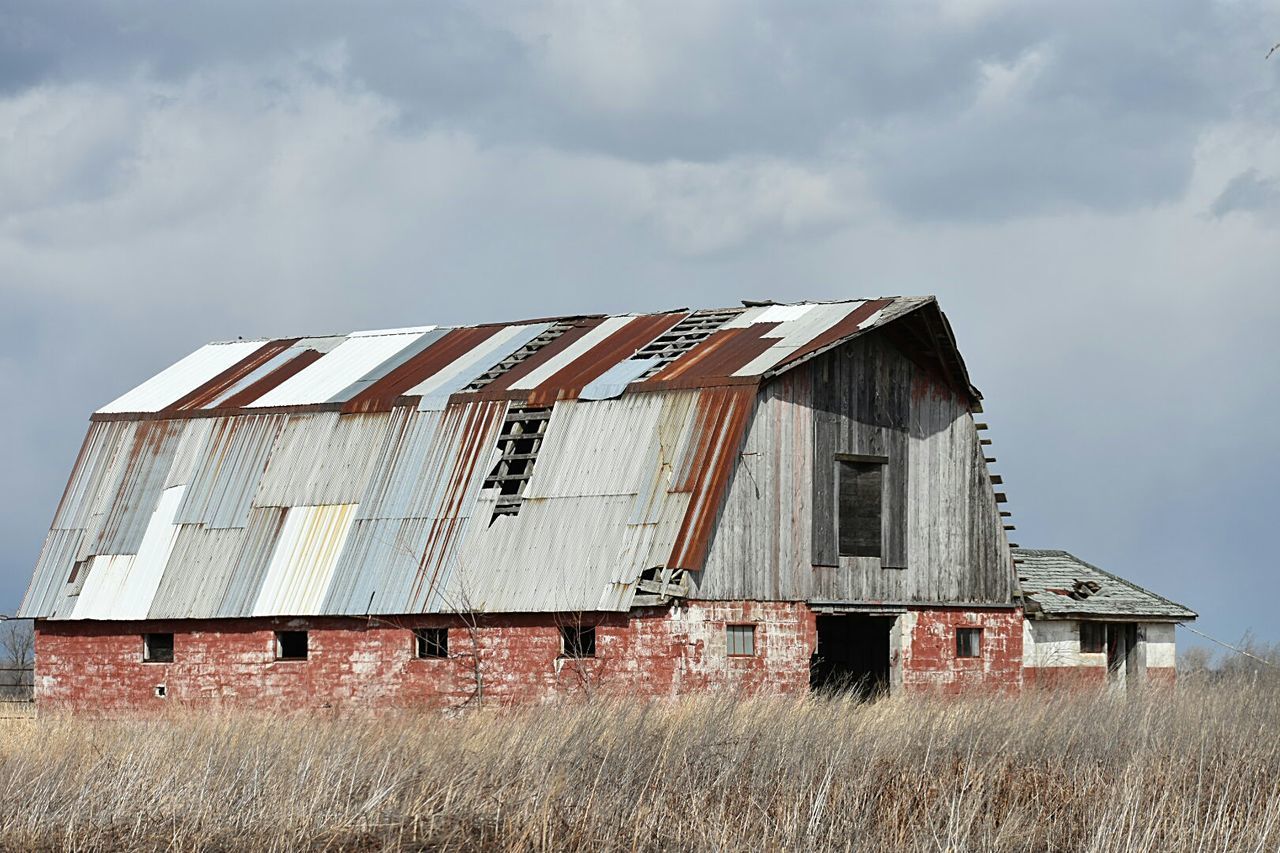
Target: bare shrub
(1189, 769)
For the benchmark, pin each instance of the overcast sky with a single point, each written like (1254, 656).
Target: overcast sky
(1091, 189)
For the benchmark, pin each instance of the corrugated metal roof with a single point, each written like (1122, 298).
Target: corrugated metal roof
(345, 475)
(174, 383)
(1059, 584)
(595, 357)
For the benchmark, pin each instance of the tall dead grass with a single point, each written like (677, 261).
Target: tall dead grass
(1194, 769)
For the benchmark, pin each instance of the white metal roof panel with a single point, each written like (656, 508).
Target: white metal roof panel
(337, 369)
(571, 353)
(304, 560)
(121, 586)
(465, 369)
(182, 378)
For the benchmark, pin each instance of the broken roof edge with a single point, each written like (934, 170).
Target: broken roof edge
(913, 304)
(1189, 614)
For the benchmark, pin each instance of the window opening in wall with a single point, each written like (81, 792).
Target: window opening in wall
(160, 690)
(683, 336)
(1093, 637)
(519, 442)
(968, 642)
(859, 505)
(157, 648)
(740, 640)
(552, 332)
(431, 642)
(291, 645)
(578, 641)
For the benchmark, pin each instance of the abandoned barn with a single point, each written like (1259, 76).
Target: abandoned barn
(762, 498)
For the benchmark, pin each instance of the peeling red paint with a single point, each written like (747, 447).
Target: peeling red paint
(369, 665)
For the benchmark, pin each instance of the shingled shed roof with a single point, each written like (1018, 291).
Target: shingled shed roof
(548, 465)
(1060, 585)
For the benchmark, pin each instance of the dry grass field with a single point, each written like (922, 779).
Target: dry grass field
(1197, 769)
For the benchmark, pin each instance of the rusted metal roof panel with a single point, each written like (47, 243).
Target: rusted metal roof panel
(436, 390)
(558, 554)
(93, 473)
(141, 477)
(46, 595)
(254, 364)
(322, 458)
(721, 422)
(597, 448)
(198, 573)
(244, 583)
(232, 462)
(339, 370)
(336, 491)
(180, 379)
(429, 361)
(612, 347)
(188, 457)
(122, 586)
(305, 557)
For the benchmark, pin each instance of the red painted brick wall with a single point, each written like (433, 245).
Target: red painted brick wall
(1066, 677)
(97, 666)
(930, 662)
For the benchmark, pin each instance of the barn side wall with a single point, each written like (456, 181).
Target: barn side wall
(358, 664)
(944, 541)
(98, 667)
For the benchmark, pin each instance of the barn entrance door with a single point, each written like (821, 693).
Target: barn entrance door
(853, 654)
(1122, 647)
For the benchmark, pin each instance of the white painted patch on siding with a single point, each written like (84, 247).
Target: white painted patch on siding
(1162, 650)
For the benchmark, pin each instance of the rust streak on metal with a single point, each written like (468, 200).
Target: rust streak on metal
(499, 386)
(722, 419)
(276, 377)
(722, 353)
(843, 329)
(568, 382)
(381, 396)
(469, 443)
(218, 385)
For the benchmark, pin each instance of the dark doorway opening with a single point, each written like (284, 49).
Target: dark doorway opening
(1122, 648)
(853, 654)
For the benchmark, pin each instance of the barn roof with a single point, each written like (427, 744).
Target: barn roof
(1060, 585)
(544, 465)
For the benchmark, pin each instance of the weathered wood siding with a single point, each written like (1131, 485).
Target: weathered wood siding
(776, 537)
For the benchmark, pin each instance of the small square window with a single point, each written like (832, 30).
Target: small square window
(968, 642)
(157, 648)
(577, 641)
(291, 645)
(1093, 637)
(431, 642)
(740, 640)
